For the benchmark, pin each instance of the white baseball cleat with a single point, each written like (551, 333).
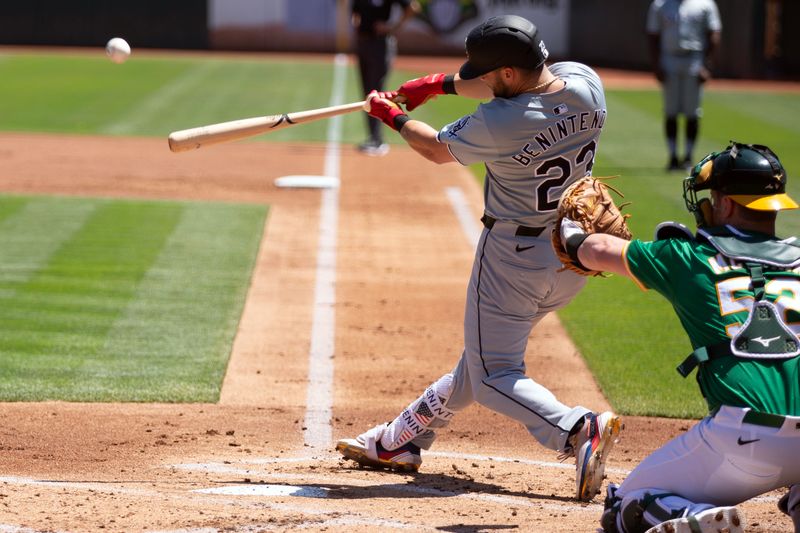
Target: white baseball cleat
(592, 445)
(714, 520)
(367, 451)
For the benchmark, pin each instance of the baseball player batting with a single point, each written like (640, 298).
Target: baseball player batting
(537, 135)
(735, 288)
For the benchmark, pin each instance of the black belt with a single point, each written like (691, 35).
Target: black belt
(522, 231)
(763, 419)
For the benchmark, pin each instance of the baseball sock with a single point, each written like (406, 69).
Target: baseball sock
(671, 129)
(692, 127)
(424, 415)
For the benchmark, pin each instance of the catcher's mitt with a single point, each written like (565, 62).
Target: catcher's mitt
(588, 203)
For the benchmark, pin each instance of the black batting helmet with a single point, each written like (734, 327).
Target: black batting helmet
(505, 41)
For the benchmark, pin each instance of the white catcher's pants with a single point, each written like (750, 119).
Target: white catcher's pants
(722, 460)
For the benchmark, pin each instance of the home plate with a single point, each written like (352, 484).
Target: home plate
(268, 490)
(308, 182)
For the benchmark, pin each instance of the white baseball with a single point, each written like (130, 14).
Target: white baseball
(118, 50)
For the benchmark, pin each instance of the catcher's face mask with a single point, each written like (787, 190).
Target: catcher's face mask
(749, 174)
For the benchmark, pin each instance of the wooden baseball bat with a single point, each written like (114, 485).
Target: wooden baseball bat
(180, 141)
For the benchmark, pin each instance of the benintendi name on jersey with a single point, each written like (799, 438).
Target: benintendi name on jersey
(559, 131)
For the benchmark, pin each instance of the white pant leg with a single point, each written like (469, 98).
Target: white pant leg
(722, 461)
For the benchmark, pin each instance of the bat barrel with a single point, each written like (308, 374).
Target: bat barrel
(192, 138)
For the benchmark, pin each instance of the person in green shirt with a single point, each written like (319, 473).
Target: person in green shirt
(735, 287)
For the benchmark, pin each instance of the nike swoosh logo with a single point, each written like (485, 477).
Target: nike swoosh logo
(741, 442)
(523, 248)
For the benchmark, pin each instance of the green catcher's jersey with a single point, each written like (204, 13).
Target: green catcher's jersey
(712, 297)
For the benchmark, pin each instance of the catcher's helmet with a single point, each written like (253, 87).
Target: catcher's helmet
(749, 174)
(505, 41)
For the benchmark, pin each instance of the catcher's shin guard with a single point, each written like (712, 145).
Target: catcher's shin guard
(654, 511)
(426, 413)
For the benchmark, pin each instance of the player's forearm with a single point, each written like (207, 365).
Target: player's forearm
(422, 139)
(603, 252)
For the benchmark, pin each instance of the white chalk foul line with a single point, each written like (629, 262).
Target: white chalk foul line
(319, 395)
(8, 528)
(376, 524)
(532, 462)
(251, 489)
(448, 455)
(464, 214)
(78, 485)
(304, 491)
(259, 489)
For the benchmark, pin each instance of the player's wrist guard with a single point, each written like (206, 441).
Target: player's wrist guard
(572, 236)
(399, 121)
(449, 84)
(571, 246)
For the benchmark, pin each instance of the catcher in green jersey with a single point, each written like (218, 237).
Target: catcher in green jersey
(735, 287)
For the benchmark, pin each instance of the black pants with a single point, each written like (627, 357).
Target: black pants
(375, 57)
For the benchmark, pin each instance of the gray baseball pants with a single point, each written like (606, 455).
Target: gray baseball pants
(509, 292)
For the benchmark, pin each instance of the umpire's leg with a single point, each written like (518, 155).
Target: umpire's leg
(374, 59)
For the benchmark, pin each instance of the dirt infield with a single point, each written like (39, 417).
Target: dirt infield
(242, 465)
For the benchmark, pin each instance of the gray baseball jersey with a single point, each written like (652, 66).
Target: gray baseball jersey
(683, 24)
(533, 145)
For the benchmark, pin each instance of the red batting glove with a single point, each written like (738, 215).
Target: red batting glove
(380, 106)
(420, 90)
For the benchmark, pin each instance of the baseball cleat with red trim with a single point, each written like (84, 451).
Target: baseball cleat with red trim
(593, 443)
(367, 451)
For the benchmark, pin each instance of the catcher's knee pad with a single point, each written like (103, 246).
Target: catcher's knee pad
(426, 413)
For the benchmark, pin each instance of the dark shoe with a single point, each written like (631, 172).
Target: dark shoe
(674, 164)
(687, 162)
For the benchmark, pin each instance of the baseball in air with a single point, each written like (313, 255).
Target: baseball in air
(118, 50)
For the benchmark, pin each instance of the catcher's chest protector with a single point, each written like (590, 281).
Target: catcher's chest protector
(765, 334)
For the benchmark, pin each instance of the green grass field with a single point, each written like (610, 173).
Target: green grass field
(630, 339)
(117, 300)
